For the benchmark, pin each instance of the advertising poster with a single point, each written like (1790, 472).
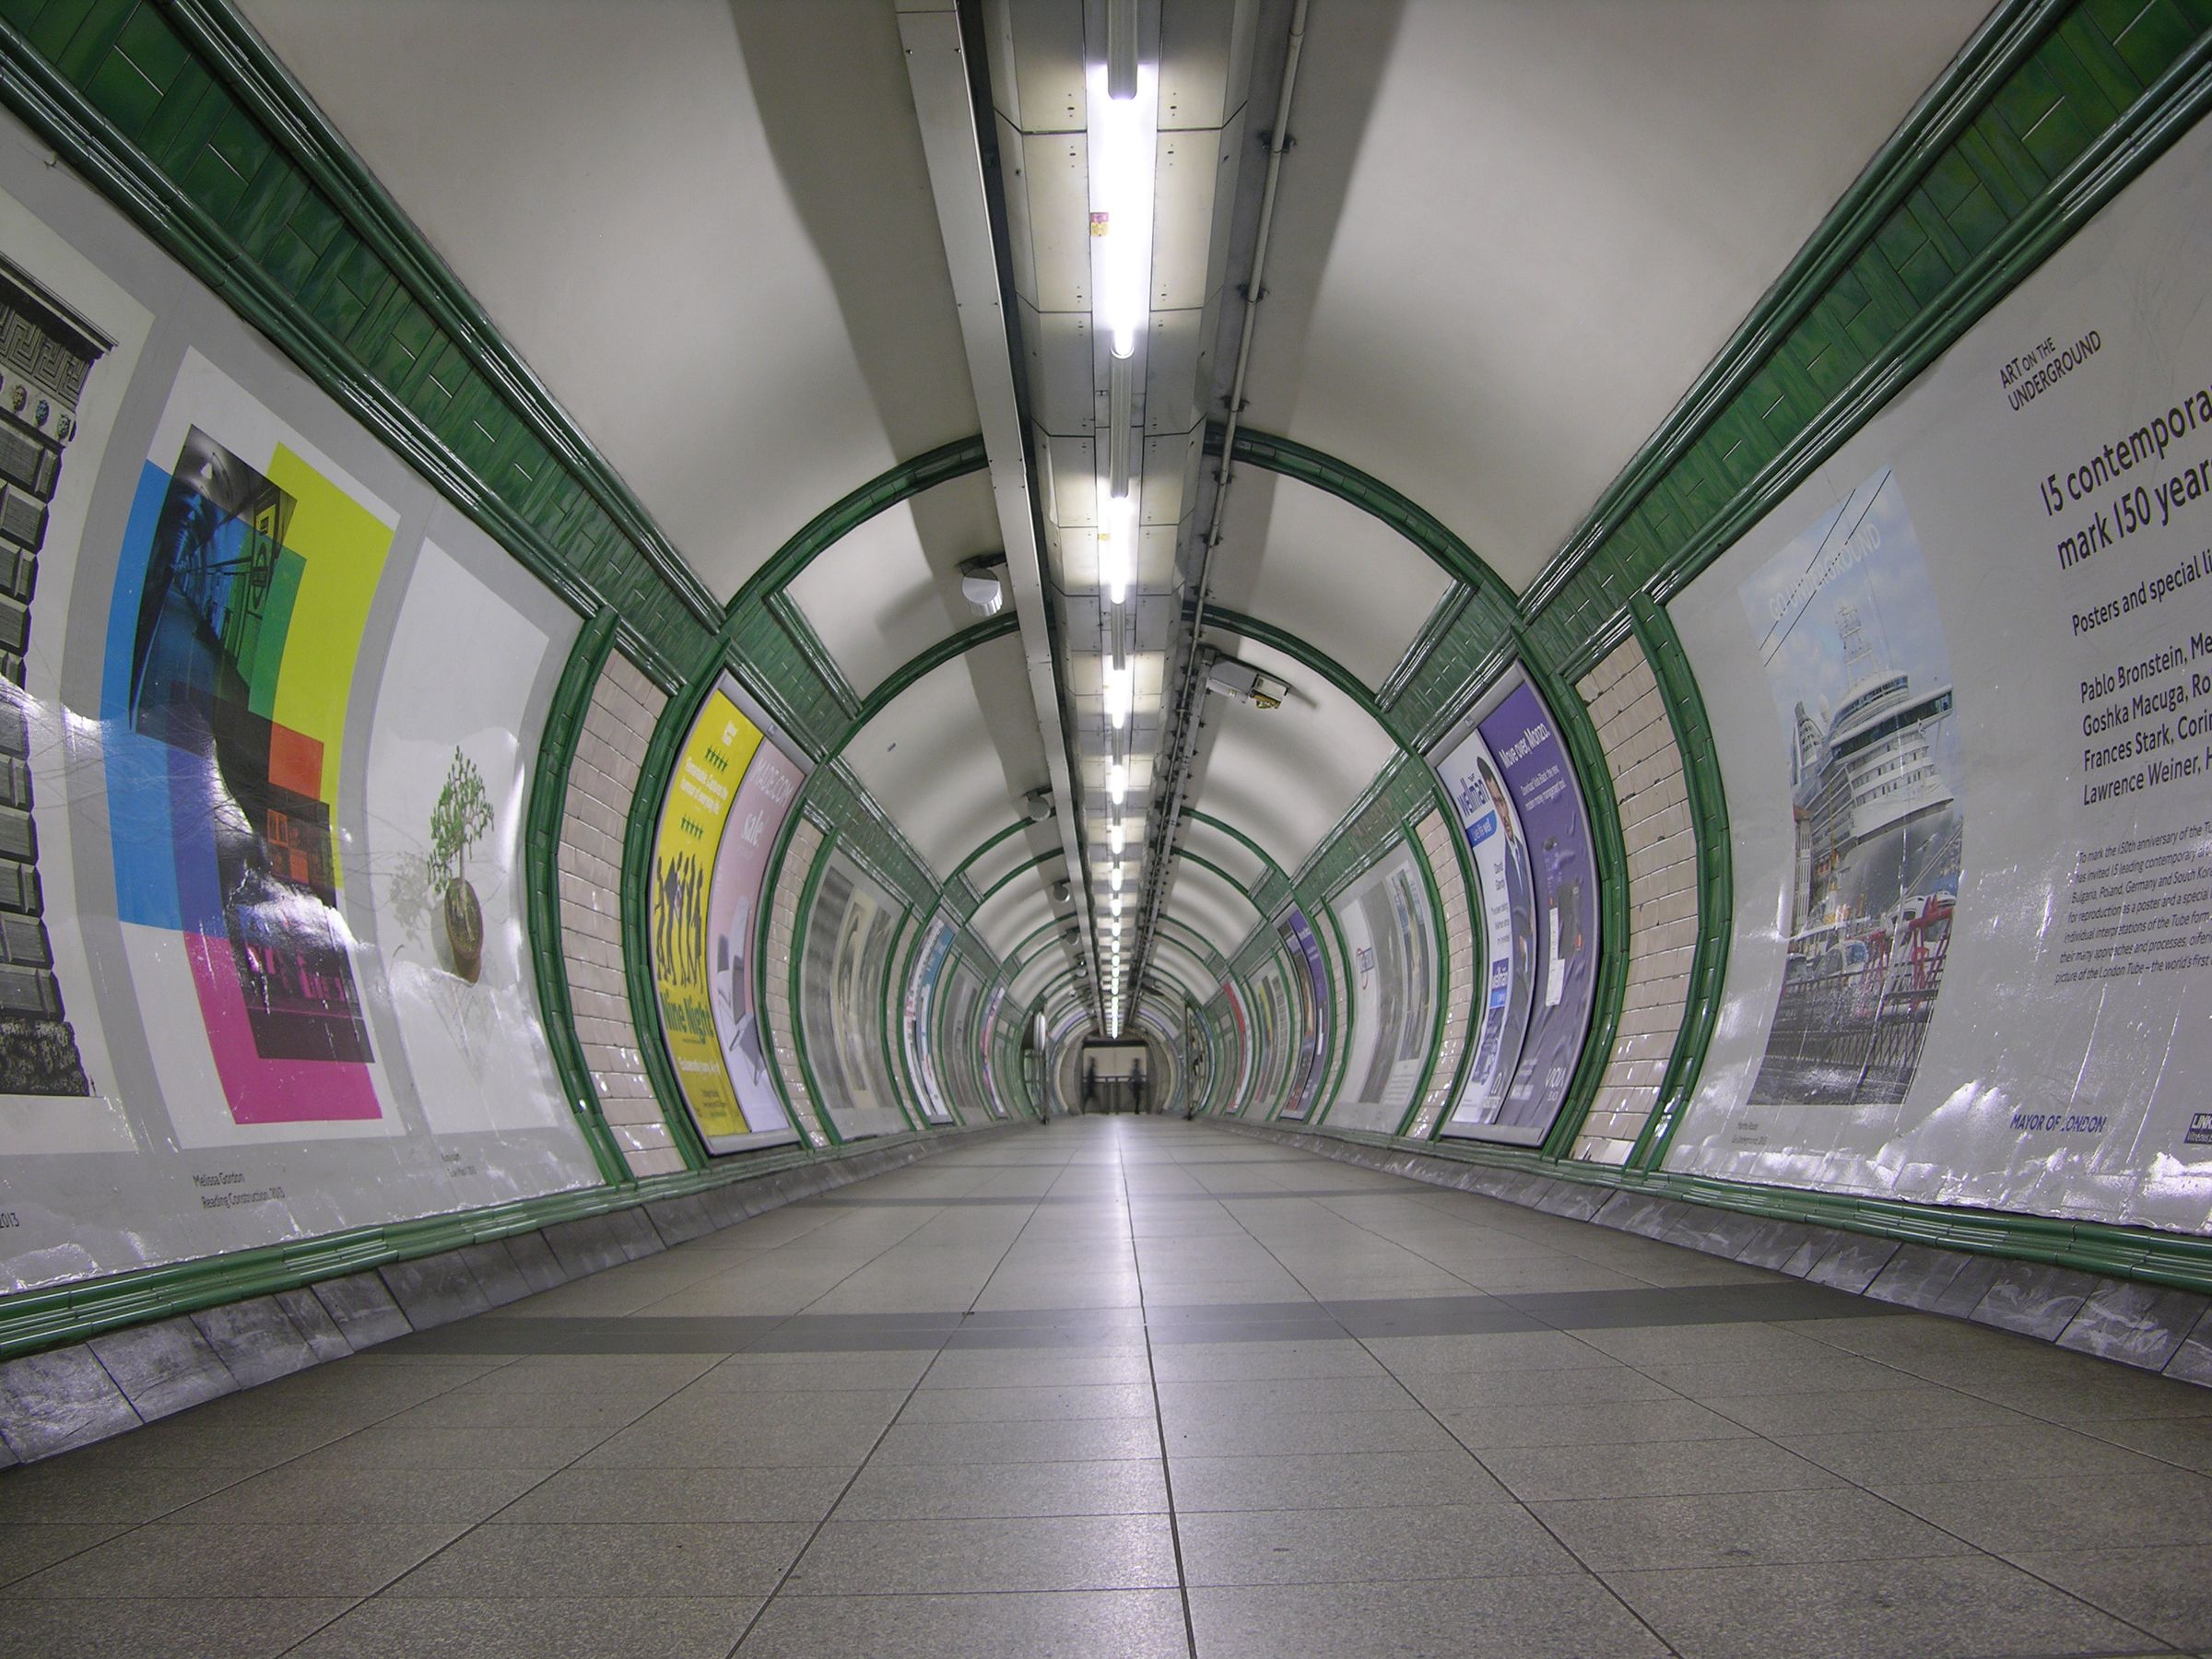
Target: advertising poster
(448, 781)
(1540, 780)
(848, 953)
(1311, 997)
(1241, 1027)
(959, 1035)
(690, 961)
(734, 901)
(928, 967)
(1272, 1035)
(2028, 520)
(1387, 929)
(1506, 885)
(236, 728)
(73, 340)
(1853, 648)
(245, 577)
(985, 1039)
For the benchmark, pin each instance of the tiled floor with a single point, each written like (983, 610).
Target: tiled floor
(1132, 1387)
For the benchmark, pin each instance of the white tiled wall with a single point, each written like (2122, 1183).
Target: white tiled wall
(1646, 768)
(1436, 838)
(602, 779)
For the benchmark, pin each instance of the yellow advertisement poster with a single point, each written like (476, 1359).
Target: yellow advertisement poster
(698, 807)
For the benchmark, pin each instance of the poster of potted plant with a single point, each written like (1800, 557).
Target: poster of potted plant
(458, 822)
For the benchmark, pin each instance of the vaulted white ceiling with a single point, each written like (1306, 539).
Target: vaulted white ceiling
(1510, 235)
(707, 226)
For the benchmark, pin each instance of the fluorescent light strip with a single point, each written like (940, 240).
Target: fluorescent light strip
(1125, 143)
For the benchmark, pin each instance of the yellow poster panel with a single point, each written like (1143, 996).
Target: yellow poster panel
(715, 754)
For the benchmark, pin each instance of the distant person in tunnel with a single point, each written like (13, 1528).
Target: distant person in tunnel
(1090, 1085)
(1137, 1087)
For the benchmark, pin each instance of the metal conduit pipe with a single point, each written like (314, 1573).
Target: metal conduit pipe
(1192, 688)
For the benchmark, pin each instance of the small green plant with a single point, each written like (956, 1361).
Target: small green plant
(458, 822)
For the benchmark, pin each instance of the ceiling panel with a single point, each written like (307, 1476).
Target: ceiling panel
(1512, 233)
(1218, 912)
(1287, 776)
(950, 757)
(1010, 914)
(1339, 578)
(656, 204)
(890, 590)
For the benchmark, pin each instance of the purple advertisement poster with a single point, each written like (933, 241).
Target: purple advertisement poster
(1540, 780)
(1314, 1021)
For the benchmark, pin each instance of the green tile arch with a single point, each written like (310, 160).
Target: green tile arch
(2052, 109)
(541, 877)
(181, 116)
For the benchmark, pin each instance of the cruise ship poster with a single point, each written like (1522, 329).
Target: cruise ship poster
(1854, 650)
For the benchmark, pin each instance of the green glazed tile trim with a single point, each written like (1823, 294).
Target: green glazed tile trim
(541, 876)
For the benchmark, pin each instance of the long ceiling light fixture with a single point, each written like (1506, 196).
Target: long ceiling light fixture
(1125, 139)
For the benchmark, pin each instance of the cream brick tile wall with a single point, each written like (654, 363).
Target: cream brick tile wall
(1458, 932)
(602, 779)
(1648, 786)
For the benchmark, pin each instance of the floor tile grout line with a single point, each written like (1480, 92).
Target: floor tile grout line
(1535, 1519)
(785, 1578)
(1159, 1427)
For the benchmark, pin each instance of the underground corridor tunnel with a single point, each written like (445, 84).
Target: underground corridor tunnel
(1069, 827)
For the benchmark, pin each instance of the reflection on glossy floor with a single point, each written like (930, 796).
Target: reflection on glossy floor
(1125, 1386)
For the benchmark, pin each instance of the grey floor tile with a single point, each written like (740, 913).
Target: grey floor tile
(1865, 1410)
(1611, 1423)
(734, 1444)
(1499, 1351)
(511, 1446)
(2021, 1451)
(1961, 1606)
(1367, 1545)
(1662, 1469)
(302, 1560)
(1552, 1617)
(1598, 1384)
(1056, 1552)
(985, 1491)
(1739, 1529)
(1281, 1433)
(1064, 1402)
(679, 1559)
(28, 1547)
(247, 1627)
(392, 1626)
(1370, 1479)
(748, 1373)
(705, 1495)
(1011, 1368)
(1081, 1440)
(2165, 1591)
(1258, 1361)
(1097, 1624)
(306, 1493)
(2010, 1517)
(84, 1486)
(1198, 1401)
